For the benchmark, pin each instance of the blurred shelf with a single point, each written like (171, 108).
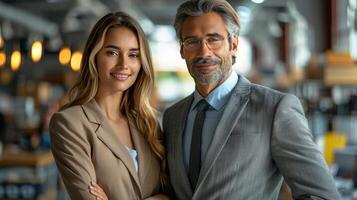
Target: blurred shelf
(29, 130)
(340, 75)
(17, 157)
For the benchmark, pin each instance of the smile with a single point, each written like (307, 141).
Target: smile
(120, 76)
(205, 67)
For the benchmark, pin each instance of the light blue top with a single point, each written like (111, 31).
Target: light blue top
(217, 100)
(134, 156)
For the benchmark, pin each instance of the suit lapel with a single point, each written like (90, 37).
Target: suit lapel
(109, 137)
(231, 114)
(177, 145)
(143, 150)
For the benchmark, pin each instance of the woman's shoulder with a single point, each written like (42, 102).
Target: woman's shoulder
(69, 121)
(71, 111)
(71, 114)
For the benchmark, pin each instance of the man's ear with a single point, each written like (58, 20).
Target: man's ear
(235, 42)
(181, 52)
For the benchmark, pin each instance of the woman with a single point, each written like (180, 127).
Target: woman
(107, 133)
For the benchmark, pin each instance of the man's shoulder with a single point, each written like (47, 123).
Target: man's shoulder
(178, 106)
(180, 103)
(255, 90)
(268, 96)
(262, 91)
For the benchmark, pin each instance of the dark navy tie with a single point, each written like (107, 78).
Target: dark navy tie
(195, 153)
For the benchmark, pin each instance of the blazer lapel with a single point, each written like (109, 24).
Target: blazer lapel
(110, 138)
(177, 146)
(231, 114)
(143, 150)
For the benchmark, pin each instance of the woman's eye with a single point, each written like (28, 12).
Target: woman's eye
(112, 53)
(134, 55)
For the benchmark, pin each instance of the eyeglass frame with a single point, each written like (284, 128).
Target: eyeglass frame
(204, 39)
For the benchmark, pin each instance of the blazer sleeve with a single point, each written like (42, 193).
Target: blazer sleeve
(72, 152)
(296, 155)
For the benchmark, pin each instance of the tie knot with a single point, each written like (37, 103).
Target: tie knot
(202, 105)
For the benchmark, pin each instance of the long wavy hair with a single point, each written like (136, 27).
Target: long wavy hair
(136, 100)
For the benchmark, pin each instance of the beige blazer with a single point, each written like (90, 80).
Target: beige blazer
(86, 148)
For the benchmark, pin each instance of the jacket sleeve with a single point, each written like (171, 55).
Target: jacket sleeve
(72, 152)
(168, 189)
(296, 155)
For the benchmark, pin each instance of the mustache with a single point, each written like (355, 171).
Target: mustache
(209, 61)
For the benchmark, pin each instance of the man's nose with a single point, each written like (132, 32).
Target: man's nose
(204, 49)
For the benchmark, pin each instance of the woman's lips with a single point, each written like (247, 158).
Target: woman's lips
(120, 76)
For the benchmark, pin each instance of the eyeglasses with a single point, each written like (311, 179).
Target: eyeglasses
(213, 43)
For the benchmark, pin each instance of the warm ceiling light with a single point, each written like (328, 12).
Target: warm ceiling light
(2, 58)
(15, 60)
(36, 51)
(64, 55)
(76, 60)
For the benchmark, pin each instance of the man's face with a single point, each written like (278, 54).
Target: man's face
(206, 48)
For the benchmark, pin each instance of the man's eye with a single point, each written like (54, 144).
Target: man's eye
(192, 42)
(213, 39)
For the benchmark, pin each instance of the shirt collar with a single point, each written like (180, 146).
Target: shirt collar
(219, 96)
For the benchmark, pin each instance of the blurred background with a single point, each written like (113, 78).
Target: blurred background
(304, 47)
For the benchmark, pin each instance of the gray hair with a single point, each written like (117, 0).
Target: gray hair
(200, 7)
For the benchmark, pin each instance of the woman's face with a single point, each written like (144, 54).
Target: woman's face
(118, 62)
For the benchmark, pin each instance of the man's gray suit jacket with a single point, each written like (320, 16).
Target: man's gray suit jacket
(261, 139)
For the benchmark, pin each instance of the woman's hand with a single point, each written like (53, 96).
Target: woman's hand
(158, 197)
(97, 191)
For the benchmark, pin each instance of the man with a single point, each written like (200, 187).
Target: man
(242, 139)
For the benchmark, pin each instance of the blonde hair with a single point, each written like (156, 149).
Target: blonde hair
(136, 100)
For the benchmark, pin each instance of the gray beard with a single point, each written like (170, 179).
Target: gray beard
(210, 78)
